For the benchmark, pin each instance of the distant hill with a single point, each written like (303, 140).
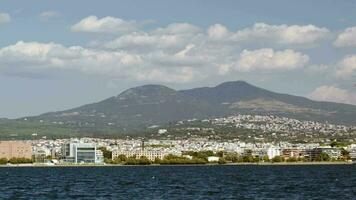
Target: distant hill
(147, 105)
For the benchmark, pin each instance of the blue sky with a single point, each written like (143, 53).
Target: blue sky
(56, 55)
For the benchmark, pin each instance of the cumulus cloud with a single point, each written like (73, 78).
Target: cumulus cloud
(171, 38)
(144, 41)
(268, 59)
(347, 38)
(218, 32)
(178, 28)
(93, 24)
(271, 34)
(346, 67)
(4, 18)
(178, 52)
(49, 14)
(42, 57)
(333, 94)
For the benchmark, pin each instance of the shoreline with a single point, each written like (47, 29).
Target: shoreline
(182, 165)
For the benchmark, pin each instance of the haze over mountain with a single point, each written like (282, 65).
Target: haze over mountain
(157, 104)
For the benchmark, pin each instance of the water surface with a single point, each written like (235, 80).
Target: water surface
(180, 182)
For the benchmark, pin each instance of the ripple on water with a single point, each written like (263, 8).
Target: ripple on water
(180, 182)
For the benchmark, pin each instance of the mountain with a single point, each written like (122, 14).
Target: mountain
(149, 105)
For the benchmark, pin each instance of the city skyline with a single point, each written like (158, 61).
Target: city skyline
(58, 55)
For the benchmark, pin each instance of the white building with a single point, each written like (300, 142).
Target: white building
(151, 154)
(213, 159)
(273, 152)
(81, 153)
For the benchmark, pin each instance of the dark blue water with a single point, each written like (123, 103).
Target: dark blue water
(180, 182)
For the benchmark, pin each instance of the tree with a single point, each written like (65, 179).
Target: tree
(3, 161)
(265, 158)
(345, 154)
(232, 157)
(122, 158)
(20, 160)
(106, 153)
(144, 161)
(157, 161)
(292, 159)
(278, 159)
(248, 158)
(222, 161)
(131, 161)
(323, 157)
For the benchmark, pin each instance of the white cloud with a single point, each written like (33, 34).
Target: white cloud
(178, 52)
(333, 94)
(317, 69)
(108, 24)
(347, 38)
(171, 38)
(41, 57)
(268, 59)
(218, 32)
(346, 67)
(4, 18)
(281, 34)
(145, 41)
(49, 14)
(178, 29)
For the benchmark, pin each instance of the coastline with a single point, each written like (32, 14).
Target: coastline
(208, 164)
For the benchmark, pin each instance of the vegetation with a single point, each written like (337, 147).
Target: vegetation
(110, 120)
(20, 160)
(172, 159)
(106, 153)
(292, 159)
(3, 161)
(323, 157)
(278, 159)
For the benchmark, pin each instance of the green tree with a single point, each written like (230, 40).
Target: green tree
(106, 153)
(323, 157)
(232, 157)
(222, 161)
(345, 154)
(122, 158)
(131, 161)
(144, 161)
(3, 161)
(292, 159)
(157, 161)
(265, 158)
(20, 160)
(278, 159)
(248, 158)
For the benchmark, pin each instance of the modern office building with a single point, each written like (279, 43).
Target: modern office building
(15, 149)
(81, 153)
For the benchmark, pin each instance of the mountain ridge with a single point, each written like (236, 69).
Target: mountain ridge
(158, 104)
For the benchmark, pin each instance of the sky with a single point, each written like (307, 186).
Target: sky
(56, 55)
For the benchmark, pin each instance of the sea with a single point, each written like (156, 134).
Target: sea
(180, 182)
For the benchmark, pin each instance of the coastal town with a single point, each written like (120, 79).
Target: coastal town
(260, 128)
(264, 139)
(95, 151)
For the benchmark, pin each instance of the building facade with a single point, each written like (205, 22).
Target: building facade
(81, 153)
(150, 154)
(15, 149)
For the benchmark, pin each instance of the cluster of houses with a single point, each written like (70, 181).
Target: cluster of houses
(79, 151)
